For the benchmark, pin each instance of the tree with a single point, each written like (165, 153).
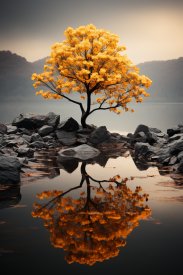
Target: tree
(90, 229)
(89, 62)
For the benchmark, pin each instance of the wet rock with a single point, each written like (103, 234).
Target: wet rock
(9, 170)
(66, 138)
(11, 130)
(3, 129)
(68, 125)
(36, 137)
(53, 119)
(99, 135)
(38, 144)
(25, 152)
(80, 152)
(45, 130)
(29, 121)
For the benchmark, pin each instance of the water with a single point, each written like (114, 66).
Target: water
(159, 115)
(127, 234)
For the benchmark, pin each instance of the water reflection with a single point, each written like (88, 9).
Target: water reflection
(92, 227)
(9, 196)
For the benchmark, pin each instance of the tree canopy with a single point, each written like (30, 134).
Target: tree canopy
(90, 62)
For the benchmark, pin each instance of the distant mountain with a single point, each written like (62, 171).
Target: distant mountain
(16, 83)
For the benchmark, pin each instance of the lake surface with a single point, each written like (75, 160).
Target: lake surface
(159, 115)
(115, 215)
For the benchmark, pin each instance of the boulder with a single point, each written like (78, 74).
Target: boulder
(99, 135)
(68, 125)
(180, 166)
(175, 130)
(176, 137)
(110, 141)
(180, 156)
(25, 152)
(11, 129)
(38, 144)
(66, 138)
(29, 121)
(84, 131)
(25, 131)
(82, 152)
(36, 137)
(177, 147)
(9, 170)
(3, 129)
(150, 133)
(45, 130)
(47, 138)
(27, 138)
(52, 119)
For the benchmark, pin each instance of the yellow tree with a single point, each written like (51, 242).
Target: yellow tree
(90, 62)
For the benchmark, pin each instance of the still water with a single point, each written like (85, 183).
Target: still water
(108, 214)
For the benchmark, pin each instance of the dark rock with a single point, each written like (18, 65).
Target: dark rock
(29, 121)
(23, 160)
(151, 137)
(25, 131)
(27, 138)
(11, 130)
(84, 131)
(99, 135)
(173, 160)
(53, 119)
(3, 129)
(9, 170)
(9, 197)
(180, 166)
(83, 152)
(66, 138)
(36, 137)
(81, 140)
(81, 136)
(166, 161)
(38, 144)
(176, 148)
(25, 152)
(68, 125)
(45, 130)
(174, 130)
(110, 141)
(180, 156)
(47, 138)
(155, 130)
(129, 135)
(176, 137)
(68, 165)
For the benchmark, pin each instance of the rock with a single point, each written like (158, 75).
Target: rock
(84, 131)
(25, 152)
(27, 138)
(9, 170)
(3, 129)
(129, 135)
(110, 141)
(180, 167)
(83, 152)
(23, 160)
(150, 133)
(99, 135)
(81, 136)
(176, 137)
(176, 148)
(45, 130)
(173, 160)
(25, 131)
(47, 138)
(29, 121)
(53, 119)
(166, 161)
(68, 125)
(155, 130)
(174, 130)
(36, 137)
(11, 130)
(81, 140)
(180, 156)
(151, 137)
(38, 144)
(66, 138)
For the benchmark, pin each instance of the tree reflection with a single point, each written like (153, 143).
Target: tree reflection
(91, 228)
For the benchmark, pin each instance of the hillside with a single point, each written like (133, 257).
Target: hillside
(16, 83)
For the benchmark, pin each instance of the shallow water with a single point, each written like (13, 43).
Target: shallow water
(114, 228)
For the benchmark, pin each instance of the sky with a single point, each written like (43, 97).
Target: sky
(150, 29)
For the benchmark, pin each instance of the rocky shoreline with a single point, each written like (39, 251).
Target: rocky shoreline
(21, 140)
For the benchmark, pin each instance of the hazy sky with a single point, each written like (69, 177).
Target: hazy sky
(151, 29)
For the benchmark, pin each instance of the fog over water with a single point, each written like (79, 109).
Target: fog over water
(159, 115)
